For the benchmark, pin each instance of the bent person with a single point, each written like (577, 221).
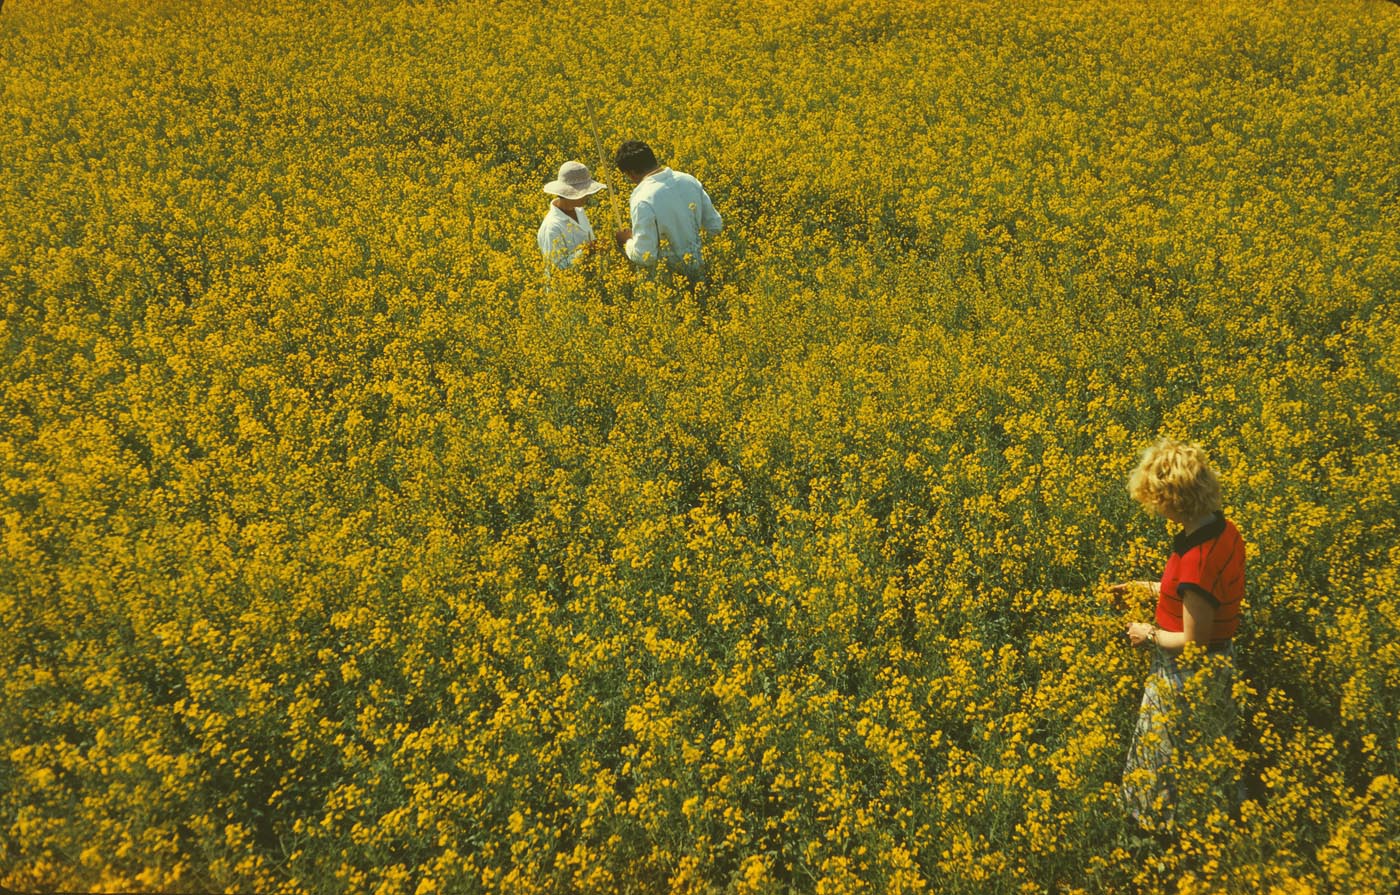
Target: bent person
(1187, 710)
(566, 234)
(670, 213)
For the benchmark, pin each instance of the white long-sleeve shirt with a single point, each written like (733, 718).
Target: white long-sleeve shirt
(561, 238)
(670, 207)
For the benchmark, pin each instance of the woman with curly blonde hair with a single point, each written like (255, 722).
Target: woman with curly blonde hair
(1198, 602)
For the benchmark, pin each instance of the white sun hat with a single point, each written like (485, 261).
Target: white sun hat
(574, 182)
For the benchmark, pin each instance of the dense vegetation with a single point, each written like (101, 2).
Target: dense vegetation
(338, 553)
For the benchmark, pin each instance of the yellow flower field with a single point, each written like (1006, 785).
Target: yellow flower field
(339, 552)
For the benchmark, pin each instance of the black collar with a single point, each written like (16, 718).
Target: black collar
(1208, 532)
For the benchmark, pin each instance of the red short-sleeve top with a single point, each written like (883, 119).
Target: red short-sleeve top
(1211, 558)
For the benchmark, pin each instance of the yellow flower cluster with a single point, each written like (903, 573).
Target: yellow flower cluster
(341, 551)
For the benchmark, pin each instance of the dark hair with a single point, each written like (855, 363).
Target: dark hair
(635, 157)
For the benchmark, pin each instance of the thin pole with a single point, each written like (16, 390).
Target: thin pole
(598, 144)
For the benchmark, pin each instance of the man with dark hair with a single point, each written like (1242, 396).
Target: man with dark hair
(635, 157)
(670, 212)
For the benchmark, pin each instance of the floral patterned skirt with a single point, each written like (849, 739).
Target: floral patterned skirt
(1182, 764)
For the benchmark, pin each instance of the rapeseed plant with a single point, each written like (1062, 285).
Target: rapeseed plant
(339, 551)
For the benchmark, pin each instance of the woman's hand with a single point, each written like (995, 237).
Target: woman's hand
(1117, 592)
(1141, 634)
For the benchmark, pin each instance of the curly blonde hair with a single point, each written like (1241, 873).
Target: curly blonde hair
(1173, 477)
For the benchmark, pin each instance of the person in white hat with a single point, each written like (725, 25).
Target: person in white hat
(566, 235)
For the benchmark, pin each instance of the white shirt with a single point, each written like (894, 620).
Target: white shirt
(672, 207)
(561, 237)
